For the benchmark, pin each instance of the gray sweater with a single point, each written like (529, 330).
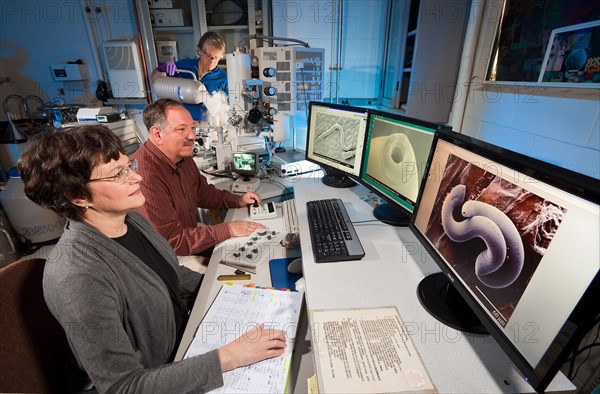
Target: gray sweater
(118, 316)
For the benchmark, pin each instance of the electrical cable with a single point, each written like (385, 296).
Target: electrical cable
(582, 362)
(368, 221)
(583, 349)
(94, 13)
(217, 174)
(272, 38)
(280, 159)
(243, 11)
(572, 374)
(90, 9)
(102, 11)
(286, 190)
(94, 44)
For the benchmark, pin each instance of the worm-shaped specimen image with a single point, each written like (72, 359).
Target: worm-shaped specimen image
(337, 138)
(395, 164)
(500, 264)
(493, 232)
(347, 147)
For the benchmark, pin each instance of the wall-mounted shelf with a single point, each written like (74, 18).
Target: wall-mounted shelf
(174, 29)
(229, 27)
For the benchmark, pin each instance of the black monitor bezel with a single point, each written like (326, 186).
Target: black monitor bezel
(324, 166)
(582, 318)
(244, 173)
(419, 122)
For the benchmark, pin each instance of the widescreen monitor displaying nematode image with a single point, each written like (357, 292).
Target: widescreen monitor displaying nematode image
(517, 242)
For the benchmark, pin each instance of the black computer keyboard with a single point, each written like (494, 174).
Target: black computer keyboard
(332, 234)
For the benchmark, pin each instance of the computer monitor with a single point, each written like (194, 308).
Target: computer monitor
(334, 140)
(395, 155)
(516, 240)
(245, 164)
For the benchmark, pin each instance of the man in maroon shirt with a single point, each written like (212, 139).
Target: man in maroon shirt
(174, 187)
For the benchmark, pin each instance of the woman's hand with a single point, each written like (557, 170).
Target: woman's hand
(255, 345)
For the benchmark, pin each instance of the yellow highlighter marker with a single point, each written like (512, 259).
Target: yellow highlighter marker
(234, 277)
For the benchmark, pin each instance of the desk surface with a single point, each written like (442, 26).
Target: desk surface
(394, 264)
(388, 275)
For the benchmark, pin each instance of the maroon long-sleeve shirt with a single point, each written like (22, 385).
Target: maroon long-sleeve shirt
(173, 192)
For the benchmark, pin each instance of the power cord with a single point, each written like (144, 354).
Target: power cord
(572, 371)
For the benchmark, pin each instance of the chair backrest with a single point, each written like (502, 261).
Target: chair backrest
(33, 345)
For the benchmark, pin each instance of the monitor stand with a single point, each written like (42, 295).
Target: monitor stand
(441, 299)
(392, 214)
(337, 179)
(244, 185)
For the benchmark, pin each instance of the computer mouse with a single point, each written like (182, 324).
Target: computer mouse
(295, 266)
(300, 285)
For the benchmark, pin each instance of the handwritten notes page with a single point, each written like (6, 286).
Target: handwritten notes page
(367, 351)
(237, 309)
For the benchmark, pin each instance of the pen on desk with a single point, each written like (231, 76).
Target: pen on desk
(233, 277)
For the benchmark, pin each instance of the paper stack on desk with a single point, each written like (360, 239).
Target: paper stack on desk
(236, 310)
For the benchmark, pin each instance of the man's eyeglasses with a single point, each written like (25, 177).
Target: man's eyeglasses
(211, 57)
(123, 175)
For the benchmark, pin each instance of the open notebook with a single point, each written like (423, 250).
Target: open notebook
(237, 309)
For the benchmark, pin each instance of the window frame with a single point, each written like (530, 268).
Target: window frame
(487, 48)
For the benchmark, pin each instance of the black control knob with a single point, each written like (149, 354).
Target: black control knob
(254, 115)
(270, 91)
(269, 72)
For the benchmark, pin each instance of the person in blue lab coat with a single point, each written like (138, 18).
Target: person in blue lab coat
(211, 49)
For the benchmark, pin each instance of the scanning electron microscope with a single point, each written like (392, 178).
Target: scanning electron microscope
(269, 92)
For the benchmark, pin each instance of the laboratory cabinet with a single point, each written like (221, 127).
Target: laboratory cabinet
(424, 47)
(171, 29)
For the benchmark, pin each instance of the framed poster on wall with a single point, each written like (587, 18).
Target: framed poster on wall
(573, 56)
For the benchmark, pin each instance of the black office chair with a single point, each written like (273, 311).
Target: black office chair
(33, 345)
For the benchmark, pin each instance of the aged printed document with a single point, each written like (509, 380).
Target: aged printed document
(366, 351)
